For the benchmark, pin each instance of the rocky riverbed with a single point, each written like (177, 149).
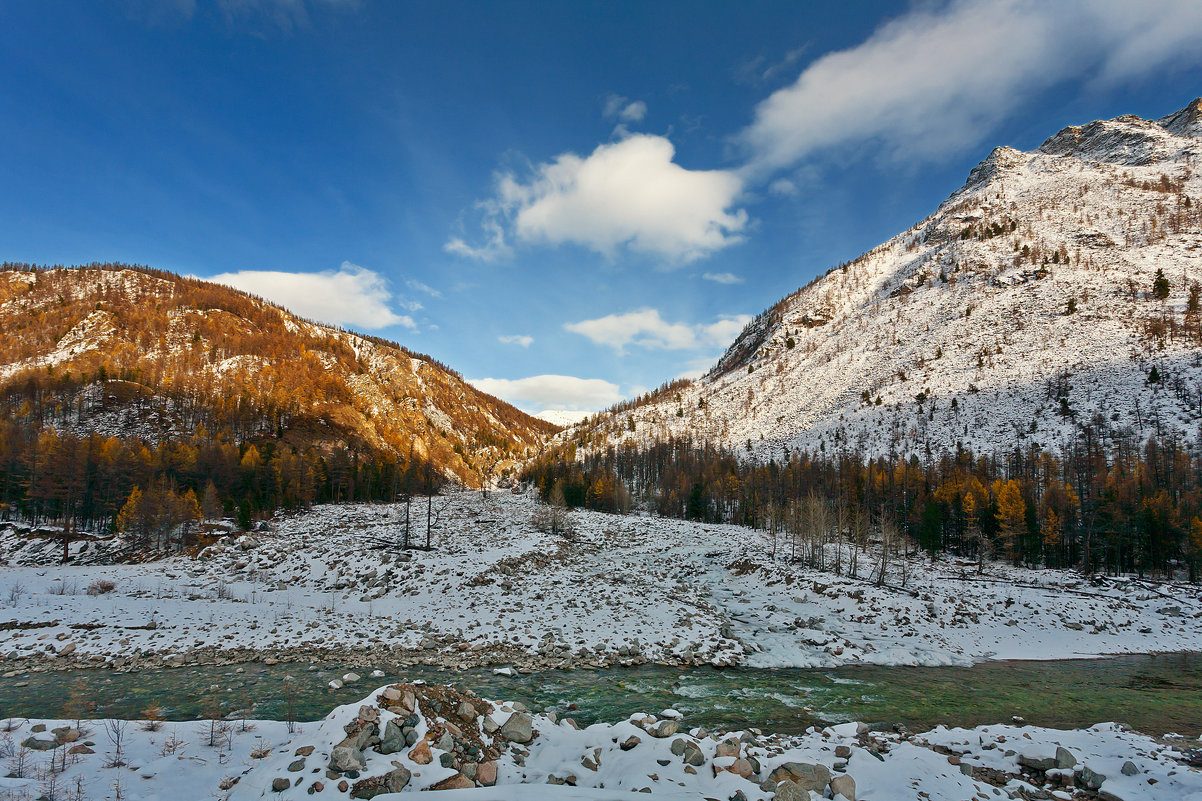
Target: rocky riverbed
(412, 736)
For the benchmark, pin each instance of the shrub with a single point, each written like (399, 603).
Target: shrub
(101, 587)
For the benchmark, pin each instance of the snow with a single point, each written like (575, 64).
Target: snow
(942, 764)
(563, 417)
(627, 590)
(974, 323)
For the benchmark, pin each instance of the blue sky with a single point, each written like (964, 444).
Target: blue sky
(568, 202)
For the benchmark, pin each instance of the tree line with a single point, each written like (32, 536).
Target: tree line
(1122, 506)
(154, 492)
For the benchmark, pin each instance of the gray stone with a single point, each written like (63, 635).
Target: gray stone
(1065, 758)
(280, 785)
(1130, 768)
(40, 745)
(344, 758)
(806, 776)
(845, 786)
(361, 734)
(1089, 779)
(790, 791)
(678, 746)
(518, 729)
(1041, 764)
(296, 766)
(693, 754)
(665, 728)
(393, 739)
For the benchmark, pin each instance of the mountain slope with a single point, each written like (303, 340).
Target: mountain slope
(126, 351)
(1025, 308)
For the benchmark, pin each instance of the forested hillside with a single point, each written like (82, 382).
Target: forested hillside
(119, 382)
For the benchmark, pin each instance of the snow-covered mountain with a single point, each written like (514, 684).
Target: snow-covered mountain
(132, 352)
(1024, 308)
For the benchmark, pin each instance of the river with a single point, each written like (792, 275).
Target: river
(1154, 694)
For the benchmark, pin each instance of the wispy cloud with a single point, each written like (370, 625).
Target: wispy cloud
(937, 79)
(722, 278)
(351, 296)
(540, 392)
(645, 328)
(283, 16)
(516, 339)
(420, 287)
(624, 109)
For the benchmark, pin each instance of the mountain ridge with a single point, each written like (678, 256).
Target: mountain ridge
(1021, 310)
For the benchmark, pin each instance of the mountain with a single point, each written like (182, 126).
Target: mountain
(1054, 294)
(131, 352)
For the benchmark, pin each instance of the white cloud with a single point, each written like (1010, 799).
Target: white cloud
(647, 329)
(420, 287)
(540, 392)
(783, 187)
(938, 78)
(722, 278)
(493, 249)
(624, 110)
(629, 193)
(516, 339)
(349, 296)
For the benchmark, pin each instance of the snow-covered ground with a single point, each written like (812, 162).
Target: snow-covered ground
(494, 589)
(410, 737)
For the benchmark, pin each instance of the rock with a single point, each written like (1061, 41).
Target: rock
(39, 745)
(466, 711)
(350, 678)
(377, 674)
(1065, 758)
(335, 684)
(304, 750)
(843, 786)
(629, 743)
(665, 728)
(317, 787)
(518, 729)
(490, 725)
(421, 753)
(280, 785)
(369, 713)
(1130, 768)
(361, 734)
(741, 767)
(843, 751)
(67, 649)
(456, 782)
(693, 754)
(80, 749)
(344, 758)
(1089, 779)
(66, 735)
(393, 739)
(486, 774)
(391, 694)
(806, 776)
(678, 746)
(392, 782)
(728, 748)
(343, 786)
(296, 766)
(790, 791)
(446, 742)
(508, 672)
(1034, 762)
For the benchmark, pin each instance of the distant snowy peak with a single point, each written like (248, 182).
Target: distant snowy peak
(1187, 122)
(1032, 304)
(1129, 139)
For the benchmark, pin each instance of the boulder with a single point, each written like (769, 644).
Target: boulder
(805, 775)
(845, 786)
(629, 743)
(280, 785)
(665, 728)
(39, 745)
(361, 734)
(518, 729)
(1065, 758)
(1089, 779)
(421, 753)
(790, 791)
(1130, 768)
(390, 694)
(393, 739)
(1035, 762)
(345, 758)
(392, 782)
(486, 774)
(728, 748)
(693, 754)
(455, 782)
